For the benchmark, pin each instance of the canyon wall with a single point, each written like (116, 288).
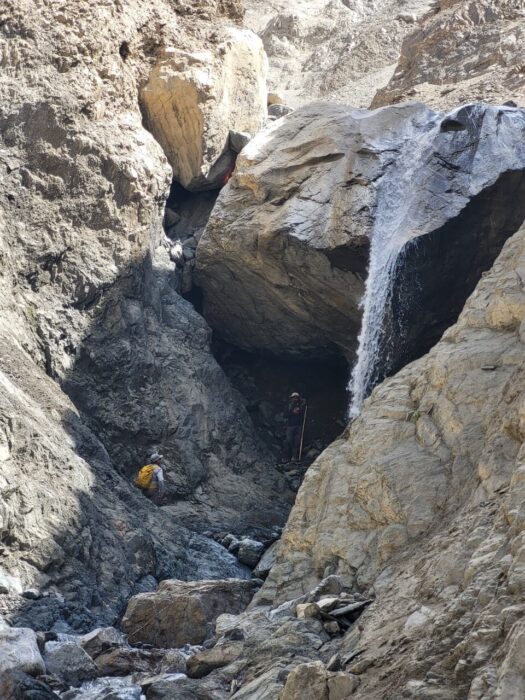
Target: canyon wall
(411, 523)
(102, 361)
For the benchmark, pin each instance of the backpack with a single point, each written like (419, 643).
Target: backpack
(145, 475)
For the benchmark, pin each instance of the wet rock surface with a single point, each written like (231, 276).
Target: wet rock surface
(283, 257)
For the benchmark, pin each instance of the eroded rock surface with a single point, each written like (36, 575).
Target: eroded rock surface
(88, 305)
(430, 513)
(465, 50)
(332, 50)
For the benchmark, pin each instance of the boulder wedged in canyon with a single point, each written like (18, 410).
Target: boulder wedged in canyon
(420, 502)
(86, 289)
(284, 255)
(192, 100)
(401, 572)
(465, 50)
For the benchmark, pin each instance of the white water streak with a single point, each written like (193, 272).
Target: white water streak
(391, 232)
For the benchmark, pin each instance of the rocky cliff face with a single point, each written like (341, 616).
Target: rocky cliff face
(90, 313)
(400, 573)
(421, 502)
(341, 51)
(464, 50)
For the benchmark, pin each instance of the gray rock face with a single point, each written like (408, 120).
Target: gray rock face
(422, 501)
(69, 662)
(283, 257)
(19, 651)
(249, 552)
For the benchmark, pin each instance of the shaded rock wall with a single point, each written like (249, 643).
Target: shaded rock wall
(420, 502)
(87, 304)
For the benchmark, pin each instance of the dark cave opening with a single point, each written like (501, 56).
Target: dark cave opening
(265, 382)
(436, 273)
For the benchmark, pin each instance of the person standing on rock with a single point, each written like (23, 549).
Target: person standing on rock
(295, 415)
(151, 479)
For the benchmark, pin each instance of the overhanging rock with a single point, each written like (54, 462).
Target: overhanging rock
(284, 257)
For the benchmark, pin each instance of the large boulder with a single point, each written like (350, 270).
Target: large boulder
(283, 259)
(192, 100)
(19, 651)
(188, 610)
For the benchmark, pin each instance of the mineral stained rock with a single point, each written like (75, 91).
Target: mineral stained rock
(283, 258)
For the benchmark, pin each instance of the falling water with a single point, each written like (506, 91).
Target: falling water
(391, 232)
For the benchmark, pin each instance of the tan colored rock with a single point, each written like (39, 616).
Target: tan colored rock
(181, 613)
(466, 50)
(306, 682)
(284, 255)
(204, 662)
(307, 610)
(341, 685)
(192, 100)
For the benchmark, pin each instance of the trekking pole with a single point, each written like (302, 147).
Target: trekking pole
(302, 432)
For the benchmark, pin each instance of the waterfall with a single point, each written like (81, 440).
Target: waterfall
(391, 232)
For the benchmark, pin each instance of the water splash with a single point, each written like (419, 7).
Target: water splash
(391, 232)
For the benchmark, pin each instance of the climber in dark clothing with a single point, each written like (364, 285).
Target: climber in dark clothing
(294, 427)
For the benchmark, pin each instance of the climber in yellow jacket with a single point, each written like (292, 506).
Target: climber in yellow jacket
(151, 479)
